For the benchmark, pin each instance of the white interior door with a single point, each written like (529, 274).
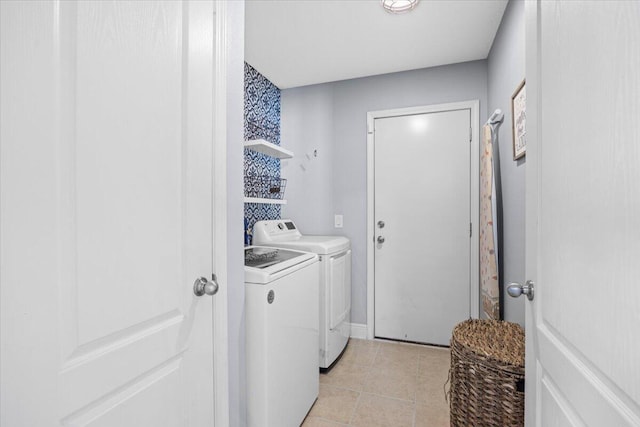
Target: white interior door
(106, 213)
(422, 225)
(583, 213)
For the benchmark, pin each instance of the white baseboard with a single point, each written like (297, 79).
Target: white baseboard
(359, 331)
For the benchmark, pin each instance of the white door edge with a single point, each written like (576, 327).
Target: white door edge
(532, 373)
(220, 328)
(474, 106)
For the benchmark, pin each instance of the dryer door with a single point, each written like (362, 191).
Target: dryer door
(339, 287)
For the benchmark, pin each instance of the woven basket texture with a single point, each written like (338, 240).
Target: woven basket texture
(487, 374)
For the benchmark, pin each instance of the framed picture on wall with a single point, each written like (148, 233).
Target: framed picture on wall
(518, 121)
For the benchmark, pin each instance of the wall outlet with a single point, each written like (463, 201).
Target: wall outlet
(337, 221)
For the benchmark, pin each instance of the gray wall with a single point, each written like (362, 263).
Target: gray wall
(506, 69)
(308, 128)
(332, 119)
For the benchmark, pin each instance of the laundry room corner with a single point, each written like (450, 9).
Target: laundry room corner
(334, 117)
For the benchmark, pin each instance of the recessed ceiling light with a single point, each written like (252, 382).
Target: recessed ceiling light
(399, 6)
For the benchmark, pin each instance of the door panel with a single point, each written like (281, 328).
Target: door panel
(123, 409)
(422, 194)
(554, 414)
(340, 297)
(125, 169)
(583, 200)
(125, 187)
(347, 289)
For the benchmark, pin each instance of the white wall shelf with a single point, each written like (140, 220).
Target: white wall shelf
(265, 201)
(266, 147)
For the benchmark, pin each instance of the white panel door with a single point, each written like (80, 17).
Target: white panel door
(106, 191)
(583, 213)
(422, 195)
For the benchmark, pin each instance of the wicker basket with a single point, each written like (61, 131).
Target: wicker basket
(487, 374)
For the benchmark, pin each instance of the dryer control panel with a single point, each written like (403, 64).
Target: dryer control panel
(289, 225)
(275, 231)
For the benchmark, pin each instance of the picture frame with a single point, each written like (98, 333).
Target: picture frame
(518, 121)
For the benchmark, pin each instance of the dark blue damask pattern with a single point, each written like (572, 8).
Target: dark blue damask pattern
(261, 120)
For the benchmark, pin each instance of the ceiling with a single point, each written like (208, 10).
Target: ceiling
(302, 42)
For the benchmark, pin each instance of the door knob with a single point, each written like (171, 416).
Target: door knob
(380, 224)
(203, 286)
(380, 239)
(516, 289)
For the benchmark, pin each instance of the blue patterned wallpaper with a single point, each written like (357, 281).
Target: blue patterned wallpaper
(261, 120)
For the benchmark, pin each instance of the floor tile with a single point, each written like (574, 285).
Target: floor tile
(319, 422)
(394, 360)
(434, 373)
(432, 349)
(401, 347)
(377, 411)
(384, 384)
(364, 343)
(428, 417)
(435, 352)
(346, 375)
(431, 392)
(360, 353)
(398, 385)
(434, 362)
(335, 404)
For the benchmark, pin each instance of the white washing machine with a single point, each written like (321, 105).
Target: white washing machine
(281, 313)
(335, 280)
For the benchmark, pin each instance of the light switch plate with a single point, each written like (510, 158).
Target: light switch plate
(337, 221)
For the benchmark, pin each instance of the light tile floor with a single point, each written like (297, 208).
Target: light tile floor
(384, 384)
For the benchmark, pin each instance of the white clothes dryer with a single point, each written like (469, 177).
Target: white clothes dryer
(335, 280)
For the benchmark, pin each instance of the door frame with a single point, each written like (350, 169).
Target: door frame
(474, 291)
(220, 336)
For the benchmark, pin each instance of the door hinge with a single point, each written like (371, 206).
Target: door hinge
(470, 134)
(470, 229)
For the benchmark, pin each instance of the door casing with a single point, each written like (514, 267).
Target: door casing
(474, 106)
(223, 33)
